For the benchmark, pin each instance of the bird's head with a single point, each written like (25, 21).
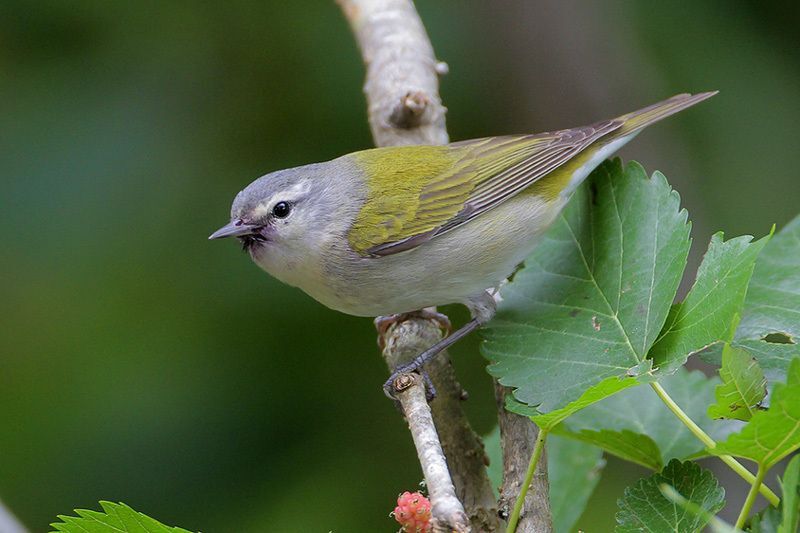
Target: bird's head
(289, 215)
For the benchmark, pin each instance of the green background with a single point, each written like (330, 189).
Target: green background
(141, 363)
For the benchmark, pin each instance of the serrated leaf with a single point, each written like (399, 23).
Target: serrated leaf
(790, 497)
(773, 358)
(773, 434)
(573, 470)
(604, 389)
(773, 299)
(592, 297)
(115, 518)
(770, 325)
(743, 386)
(715, 525)
(766, 521)
(625, 444)
(639, 410)
(717, 295)
(645, 508)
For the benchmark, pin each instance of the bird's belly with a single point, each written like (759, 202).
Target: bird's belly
(447, 269)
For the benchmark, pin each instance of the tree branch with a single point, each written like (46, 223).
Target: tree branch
(402, 85)
(404, 108)
(448, 513)
(518, 437)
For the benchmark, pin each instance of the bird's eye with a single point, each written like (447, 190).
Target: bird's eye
(281, 209)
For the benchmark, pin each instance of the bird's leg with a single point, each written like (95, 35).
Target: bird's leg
(482, 307)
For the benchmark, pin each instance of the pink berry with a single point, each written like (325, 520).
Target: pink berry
(413, 512)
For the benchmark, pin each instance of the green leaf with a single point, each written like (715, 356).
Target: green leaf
(743, 386)
(766, 521)
(115, 518)
(790, 500)
(592, 297)
(773, 434)
(639, 410)
(645, 508)
(714, 524)
(625, 444)
(773, 300)
(604, 389)
(770, 325)
(773, 358)
(573, 469)
(717, 295)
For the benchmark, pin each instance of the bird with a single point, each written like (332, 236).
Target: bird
(392, 230)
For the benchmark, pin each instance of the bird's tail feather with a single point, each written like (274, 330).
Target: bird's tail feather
(636, 120)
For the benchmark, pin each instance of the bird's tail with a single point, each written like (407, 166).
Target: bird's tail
(636, 120)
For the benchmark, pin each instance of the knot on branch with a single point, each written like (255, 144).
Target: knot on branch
(408, 113)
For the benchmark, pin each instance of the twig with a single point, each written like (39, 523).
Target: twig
(462, 447)
(448, 513)
(519, 436)
(710, 443)
(404, 107)
(402, 85)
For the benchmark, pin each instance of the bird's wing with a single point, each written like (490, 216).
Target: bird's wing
(424, 191)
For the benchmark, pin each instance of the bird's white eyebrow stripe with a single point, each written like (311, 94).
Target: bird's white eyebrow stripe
(288, 195)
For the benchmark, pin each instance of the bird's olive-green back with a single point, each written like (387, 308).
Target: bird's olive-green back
(416, 190)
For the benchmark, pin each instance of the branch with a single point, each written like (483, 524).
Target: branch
(518, 436)
(402, 85)
(402, 89)
(448, 513)
(462, 447)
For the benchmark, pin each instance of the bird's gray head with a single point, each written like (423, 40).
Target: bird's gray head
(289, 214)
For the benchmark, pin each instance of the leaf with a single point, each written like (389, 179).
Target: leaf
(604, 389)
(790, 500)
(592, 297)
(639, 410)
(770, 325)
(717, 295)
(574, 470)
(625, 444)
(766, 521)
(714, 524)
(773, 299)
(773, 358)
(115, 518)
(743, 386)
(773, 434)
(645, 508)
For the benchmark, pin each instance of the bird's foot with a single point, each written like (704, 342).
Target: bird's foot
(383, 323)
(390, 387)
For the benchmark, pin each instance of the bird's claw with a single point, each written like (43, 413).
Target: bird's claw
(390, 388)
(383, 323)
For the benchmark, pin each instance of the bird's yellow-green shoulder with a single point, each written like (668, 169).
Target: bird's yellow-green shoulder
(410, 190)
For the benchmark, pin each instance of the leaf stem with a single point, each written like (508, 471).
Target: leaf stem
(698, 432)
(751, 497)
(523, 492)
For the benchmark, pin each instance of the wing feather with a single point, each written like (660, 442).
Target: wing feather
(416, 193)
(486, 173)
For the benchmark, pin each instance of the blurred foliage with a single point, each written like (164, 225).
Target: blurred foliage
(141, 363)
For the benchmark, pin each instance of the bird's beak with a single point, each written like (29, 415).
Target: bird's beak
(236, 228)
